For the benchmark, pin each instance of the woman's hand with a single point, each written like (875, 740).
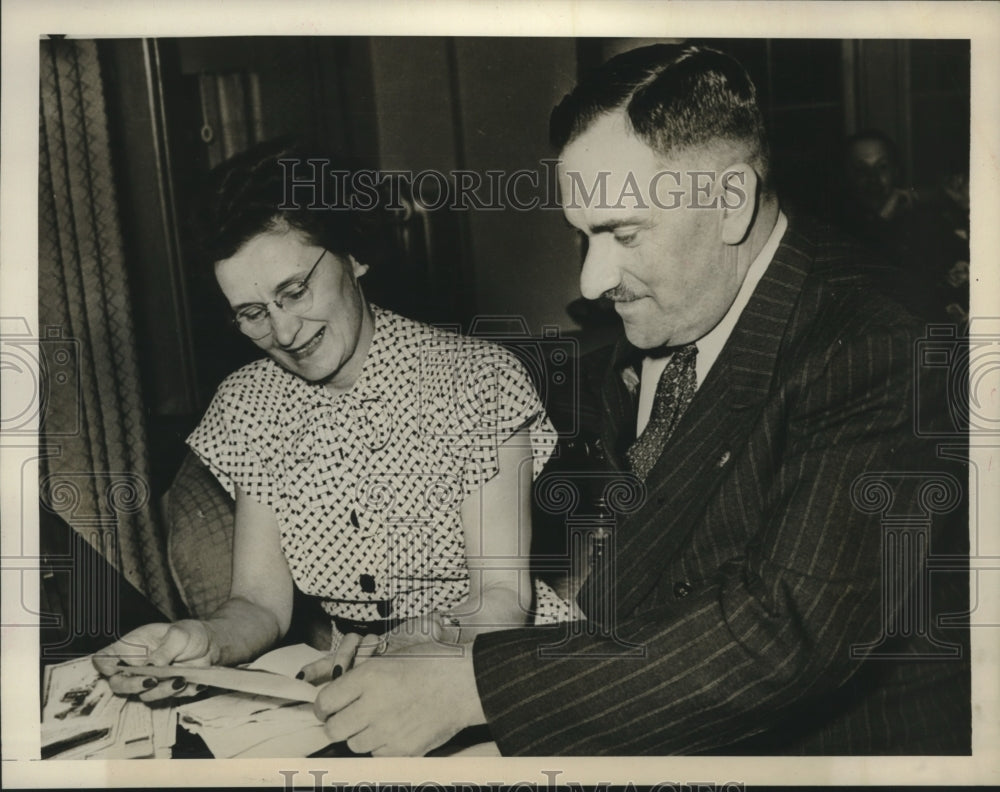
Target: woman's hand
(355, 649)
(352, 651)
(183, 643)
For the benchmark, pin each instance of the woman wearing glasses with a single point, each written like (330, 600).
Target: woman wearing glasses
(377, 463)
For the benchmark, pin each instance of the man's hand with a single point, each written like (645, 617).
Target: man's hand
(404, 704)
(186, 642)
(899, 200)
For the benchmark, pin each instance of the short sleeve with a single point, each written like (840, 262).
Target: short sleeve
(496, 399)
(224, 441)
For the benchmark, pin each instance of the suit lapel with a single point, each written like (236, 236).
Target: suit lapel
(715, 427)
(618, 404)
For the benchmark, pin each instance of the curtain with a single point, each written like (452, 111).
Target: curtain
(94, 472)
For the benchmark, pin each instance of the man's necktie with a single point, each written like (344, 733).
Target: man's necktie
(674, 392)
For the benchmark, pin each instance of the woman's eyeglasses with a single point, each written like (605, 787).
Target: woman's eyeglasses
(296, 298)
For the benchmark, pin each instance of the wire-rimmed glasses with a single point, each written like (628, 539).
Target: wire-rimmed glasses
(254, 319)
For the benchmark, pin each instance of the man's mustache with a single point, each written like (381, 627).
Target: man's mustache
(620, 294)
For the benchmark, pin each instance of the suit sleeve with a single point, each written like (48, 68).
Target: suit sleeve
(772, 630)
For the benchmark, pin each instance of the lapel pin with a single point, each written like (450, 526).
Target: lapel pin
(722, 460)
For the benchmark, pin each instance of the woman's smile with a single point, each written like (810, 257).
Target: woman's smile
(309, 347)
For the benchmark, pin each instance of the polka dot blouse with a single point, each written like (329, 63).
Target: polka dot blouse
(367, 485)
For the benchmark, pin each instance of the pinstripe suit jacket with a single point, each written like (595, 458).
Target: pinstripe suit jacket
(748, 574)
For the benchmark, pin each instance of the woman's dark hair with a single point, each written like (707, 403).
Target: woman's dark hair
(272, 186)
(674, 95)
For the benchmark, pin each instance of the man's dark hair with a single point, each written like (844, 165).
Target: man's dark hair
(674, 96)
(875, 135)
(244, 197)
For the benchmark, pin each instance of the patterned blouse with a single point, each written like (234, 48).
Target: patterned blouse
(367, 485)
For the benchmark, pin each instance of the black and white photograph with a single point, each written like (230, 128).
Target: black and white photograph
(559, 394)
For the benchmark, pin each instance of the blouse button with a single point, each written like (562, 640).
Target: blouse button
(682, 589)
(367, 584)
(384, 608)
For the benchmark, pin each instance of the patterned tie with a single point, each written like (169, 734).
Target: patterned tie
(674, 392)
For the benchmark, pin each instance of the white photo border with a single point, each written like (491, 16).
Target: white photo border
(25, 21)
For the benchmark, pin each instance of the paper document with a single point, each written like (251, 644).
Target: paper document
(261, 683)
(241, 725)
(83, 719)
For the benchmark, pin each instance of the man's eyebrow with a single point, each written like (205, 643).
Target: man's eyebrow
(614, 225)
(608, 225)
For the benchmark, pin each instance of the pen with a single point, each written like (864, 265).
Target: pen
(59, 746)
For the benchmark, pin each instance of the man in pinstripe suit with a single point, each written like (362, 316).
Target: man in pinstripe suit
(764, 397)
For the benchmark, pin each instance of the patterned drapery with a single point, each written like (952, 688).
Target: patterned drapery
(95, 467)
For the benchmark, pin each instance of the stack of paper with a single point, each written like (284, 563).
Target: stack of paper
(237, 724)
(245, 725)
(269, 713)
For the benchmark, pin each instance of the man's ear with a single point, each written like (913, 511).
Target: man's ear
(739, 201)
